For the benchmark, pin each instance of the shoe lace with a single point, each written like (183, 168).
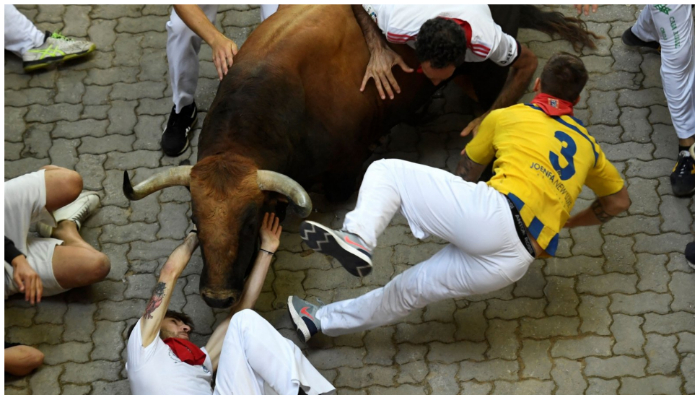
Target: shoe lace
(685, 165)
(80, 215)
(57, 35)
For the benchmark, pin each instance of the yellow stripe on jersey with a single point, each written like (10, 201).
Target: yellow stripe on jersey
(542, 163)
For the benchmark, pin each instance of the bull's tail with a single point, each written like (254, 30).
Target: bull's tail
(571, 29)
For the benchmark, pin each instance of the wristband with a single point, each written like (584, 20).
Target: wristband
(268, 252)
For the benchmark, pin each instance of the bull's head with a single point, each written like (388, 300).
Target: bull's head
(227, 200)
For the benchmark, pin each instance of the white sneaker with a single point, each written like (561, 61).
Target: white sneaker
(77, 211)
(56, 48)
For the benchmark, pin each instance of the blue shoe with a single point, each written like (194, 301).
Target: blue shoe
(349, 249)
(303, 315)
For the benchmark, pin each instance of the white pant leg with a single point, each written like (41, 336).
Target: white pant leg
(254, 353)
(266, 10)
(485, 253)
(20, 33)
(183, 63)
(674, 30)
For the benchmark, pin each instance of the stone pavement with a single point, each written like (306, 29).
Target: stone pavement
(613, 313)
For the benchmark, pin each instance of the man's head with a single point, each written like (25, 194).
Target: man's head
(175, 325)
(564, 76)
(440, 48)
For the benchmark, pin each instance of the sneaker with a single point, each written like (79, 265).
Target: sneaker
(690, 254)
(56, 48)
(683, 175)
(348, 248)
(631, 39)
(303, 315)
(175, 140)
(77, 211)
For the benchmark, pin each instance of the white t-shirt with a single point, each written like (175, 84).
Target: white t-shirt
(157, 370)
(401, 24)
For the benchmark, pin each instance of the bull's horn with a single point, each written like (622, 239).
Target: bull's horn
(176, 176)
(276, 182)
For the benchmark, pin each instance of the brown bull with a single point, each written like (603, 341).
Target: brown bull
(289, 104)
(288, 113)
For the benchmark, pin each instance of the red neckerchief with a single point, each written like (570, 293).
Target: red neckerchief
(467, 34)
(553, 106)
(186, 351)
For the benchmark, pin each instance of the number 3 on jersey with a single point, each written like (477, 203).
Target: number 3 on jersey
(568, 152)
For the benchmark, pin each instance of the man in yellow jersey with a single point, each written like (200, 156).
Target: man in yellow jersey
(496, 229)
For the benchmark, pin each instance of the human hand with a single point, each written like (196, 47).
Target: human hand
(270, 232)
(223, 49)
(585, 8)
(27, 280)
(473, 126)
(379, 68)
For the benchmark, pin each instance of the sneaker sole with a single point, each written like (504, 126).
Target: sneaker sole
(39, 64)
(302, 330)
(323, 240)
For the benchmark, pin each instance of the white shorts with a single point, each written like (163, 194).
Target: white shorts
(25, 203)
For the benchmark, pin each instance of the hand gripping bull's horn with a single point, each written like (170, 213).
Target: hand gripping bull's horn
(276, 182)
(176, 176)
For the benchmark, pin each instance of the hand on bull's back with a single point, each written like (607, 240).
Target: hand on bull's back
(379, 68)
(270, 232)
(223, 50)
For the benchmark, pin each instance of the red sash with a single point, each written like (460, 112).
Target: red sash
(186, 351)
(553, 106)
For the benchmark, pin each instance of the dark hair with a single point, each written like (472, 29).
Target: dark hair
(442, 42)
(184, 318)
(564, 76)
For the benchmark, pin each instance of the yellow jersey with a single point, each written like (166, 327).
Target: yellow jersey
(542, 162)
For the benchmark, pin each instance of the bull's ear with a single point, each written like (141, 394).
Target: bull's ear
(276, 182)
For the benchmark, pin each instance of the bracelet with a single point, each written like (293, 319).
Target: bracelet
(268, 252)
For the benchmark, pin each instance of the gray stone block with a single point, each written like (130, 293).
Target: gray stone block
(640, 303)
(70, 87)
(19, 316)
(108, 341)
(603, 107)
(109, 143)
(561, 296)
(669, 323)
(53, 113)
(79, 322)
(154, 66)
(683, 290)
(90, 372)
(110, 76)
(688, 371)
(127, 49)
(90, 168)
(336, 357)
(28, 97)
(675, 214)
(582, 347)
(36, 334)
(568, 377)
(120, 311)
(136, 91)
(660, 352)
(142, 24)
(651, 385)
(63, 153)
(101, 32)
(516, 308)
(78, 390)
(115, 11)
(526, 387)
(37, 141)
(594, 315)
(625, 226)
(612, 367)
(488, 370)
(68, 351)
(95, 112)
(606, 284)
(380, 349)
(574, 266)
(78, 129)
(543, 328)
(618, 254)
(442, 379)
(426, 332)
(641, 97)
(45, 380)
(598, 386)
(662, 244)
(501, 336)
(111, 388)
(14, 123)
(536, 361)
(471, 323)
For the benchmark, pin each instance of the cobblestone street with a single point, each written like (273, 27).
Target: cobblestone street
(613, 313)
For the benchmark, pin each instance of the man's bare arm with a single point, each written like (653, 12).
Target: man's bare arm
(601, 210)
(468, 169)
(382, 58)
(158, 304)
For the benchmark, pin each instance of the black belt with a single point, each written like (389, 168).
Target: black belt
(520, 228)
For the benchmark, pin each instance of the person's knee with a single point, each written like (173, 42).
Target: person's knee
(21, 360)
(99, 267)
(70, 182)
(243, 319)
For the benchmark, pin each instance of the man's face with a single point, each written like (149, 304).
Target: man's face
(437, 75)
(174, 328)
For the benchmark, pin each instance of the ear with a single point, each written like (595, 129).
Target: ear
(577, 100)
(537, 85)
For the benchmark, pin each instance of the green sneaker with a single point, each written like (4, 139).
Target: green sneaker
(56, 48)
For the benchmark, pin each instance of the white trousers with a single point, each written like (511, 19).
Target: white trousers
(484, 254)
(20, 33)
(256, 359)
(672, 26)
(183, 49)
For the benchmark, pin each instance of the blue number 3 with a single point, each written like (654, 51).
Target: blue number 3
(568, 153)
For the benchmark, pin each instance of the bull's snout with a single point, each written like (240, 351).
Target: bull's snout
(220, 299)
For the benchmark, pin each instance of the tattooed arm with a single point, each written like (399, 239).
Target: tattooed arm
(468, 169)
(158, 304)
(601, 210)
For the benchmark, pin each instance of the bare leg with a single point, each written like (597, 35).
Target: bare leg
(76, 263)
(687, 142)
(62, 186)
(21, 360)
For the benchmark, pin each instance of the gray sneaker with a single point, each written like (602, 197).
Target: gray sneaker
(346, 247)
(303, 315)
(56, 48)
(77, 211)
